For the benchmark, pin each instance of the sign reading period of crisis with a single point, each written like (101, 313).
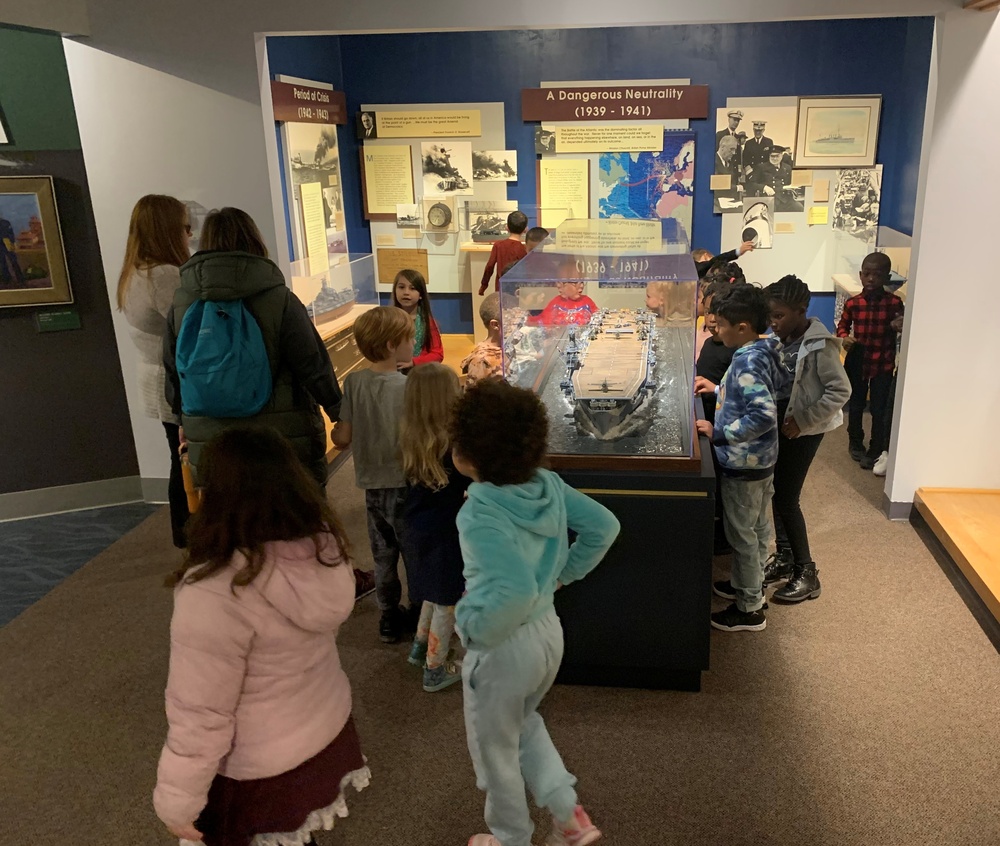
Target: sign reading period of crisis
(617, 102)
(303, 104)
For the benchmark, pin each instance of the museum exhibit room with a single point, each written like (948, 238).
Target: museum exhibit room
(466, 423)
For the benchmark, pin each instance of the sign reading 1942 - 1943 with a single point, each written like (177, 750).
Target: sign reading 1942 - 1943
(615, 102)
(305, 104)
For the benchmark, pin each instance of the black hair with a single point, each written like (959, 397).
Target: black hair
(517, 222)
(885, 263)
(789, 290)
(730, 272)
(502, 431)
(743, 304)
(536, 234)
(717, 287)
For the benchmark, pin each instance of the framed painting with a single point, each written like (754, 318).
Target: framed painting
(33, 268)
(837, 131)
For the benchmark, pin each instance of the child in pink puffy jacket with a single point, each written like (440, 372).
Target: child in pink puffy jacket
(261, 739)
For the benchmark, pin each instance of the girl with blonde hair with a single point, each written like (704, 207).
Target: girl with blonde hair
(157, 246)
(430, 538)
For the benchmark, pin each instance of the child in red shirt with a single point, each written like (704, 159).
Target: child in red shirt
(507, 252)
(570, 307)
(409, 292)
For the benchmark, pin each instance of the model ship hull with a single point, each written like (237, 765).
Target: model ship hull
(608, 375)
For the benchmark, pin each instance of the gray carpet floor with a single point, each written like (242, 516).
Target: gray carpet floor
(869, 716)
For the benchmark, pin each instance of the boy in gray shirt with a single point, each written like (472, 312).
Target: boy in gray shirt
(370, 414)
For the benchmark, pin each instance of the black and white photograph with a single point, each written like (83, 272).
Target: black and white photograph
(545, 141)
(486, 220)
(494, 165)
(407, 215)
(447, 167)
(757, 126)
(758, 222)
(333, 207)
(365, 125)
(856, 202)
(313, 153)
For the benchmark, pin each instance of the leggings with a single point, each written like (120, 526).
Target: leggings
(794, 457)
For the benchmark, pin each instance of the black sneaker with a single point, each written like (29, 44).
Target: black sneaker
(778, 567)
(858, 451)
(734, 620)
(724, 589)
(390, 626)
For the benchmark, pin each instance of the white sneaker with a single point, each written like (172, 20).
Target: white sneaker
(881, 464)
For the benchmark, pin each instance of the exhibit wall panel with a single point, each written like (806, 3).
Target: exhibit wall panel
(65, 419)
(945, 419)
(886, 56)
(145, 132)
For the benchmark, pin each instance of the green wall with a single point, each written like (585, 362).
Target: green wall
(35, 95)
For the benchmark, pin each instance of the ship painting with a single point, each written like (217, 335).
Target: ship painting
(834, 138)
(608, 375)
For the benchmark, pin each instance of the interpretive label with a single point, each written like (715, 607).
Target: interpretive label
(314, 227)
(388, 178)
(624, 102)
(616, 237)
(564, 189)
(609, 139)
(305, 104)
(390, 262)
(429, 124)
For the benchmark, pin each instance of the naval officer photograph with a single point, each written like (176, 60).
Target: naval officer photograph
(757, 149)
(773, 178)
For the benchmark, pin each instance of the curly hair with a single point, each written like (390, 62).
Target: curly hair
(789, 290)
(729, 272)
(502, 431)
(742, 304)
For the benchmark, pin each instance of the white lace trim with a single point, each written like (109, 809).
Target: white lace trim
(321, 820)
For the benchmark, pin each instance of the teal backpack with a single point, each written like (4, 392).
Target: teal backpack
(222, 361)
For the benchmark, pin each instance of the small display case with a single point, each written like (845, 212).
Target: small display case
(599, 321)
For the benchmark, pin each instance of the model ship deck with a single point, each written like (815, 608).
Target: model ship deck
(615, 363)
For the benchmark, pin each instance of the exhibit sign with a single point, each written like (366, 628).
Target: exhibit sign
(391, 262)
(33, 267)
(444, 123)
(613, 237)
(615, 102)
(314, 226)
(305, 104)
(616, 138)
(387, 179)
(564, 190)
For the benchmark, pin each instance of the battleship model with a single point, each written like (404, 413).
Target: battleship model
(609, 368)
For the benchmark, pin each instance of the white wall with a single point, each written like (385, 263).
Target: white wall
(68, 17)
(945, 431)
(145, 132)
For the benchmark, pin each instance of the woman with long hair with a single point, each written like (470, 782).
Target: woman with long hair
(156, 248)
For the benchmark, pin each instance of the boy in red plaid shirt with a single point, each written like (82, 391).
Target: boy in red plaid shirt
(871, 356)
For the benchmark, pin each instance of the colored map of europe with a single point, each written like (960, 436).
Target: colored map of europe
(650, 186)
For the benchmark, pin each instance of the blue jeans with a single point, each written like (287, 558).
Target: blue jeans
(746, 509)
(508, 741)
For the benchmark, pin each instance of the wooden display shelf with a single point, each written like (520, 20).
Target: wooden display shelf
(967, 523)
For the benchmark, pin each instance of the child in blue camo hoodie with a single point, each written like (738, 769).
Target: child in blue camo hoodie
(745, 438)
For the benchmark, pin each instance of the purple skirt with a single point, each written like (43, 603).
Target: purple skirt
(239, 810)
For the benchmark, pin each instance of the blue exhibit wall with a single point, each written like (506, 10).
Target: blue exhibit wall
(887, 56)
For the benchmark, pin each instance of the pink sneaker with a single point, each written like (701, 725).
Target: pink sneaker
(579, 831)
(483, 840)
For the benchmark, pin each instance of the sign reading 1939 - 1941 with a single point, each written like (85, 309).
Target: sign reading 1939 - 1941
(615, 102)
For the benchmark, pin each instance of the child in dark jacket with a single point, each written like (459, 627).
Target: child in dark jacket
(435, 494)
(745, 438)
(513, 532)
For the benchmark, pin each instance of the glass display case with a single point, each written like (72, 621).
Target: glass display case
(600, 321)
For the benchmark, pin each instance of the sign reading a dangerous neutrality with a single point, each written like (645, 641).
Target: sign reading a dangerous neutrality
(618, 102)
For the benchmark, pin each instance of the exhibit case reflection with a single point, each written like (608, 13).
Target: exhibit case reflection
(601, 325)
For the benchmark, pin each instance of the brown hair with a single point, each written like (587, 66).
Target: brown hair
(376, 328)
(232, 230)
(429, 401)
(416, 279)
(156, 235)
(502, 431)
(255, 491)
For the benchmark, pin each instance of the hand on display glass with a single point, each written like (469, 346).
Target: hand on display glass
(791, 429)
(704, 428)
(703, 386)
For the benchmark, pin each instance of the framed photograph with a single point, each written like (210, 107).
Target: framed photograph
(4, 134)
(33, 268)
(837, 131)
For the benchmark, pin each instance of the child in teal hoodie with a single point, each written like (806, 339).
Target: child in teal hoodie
(513, 531)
